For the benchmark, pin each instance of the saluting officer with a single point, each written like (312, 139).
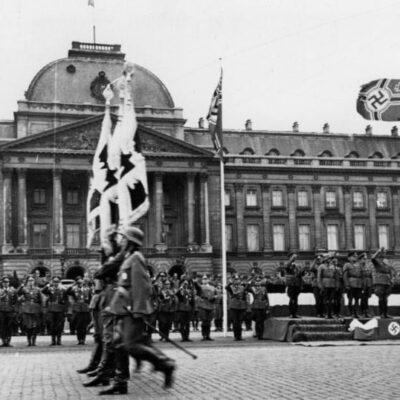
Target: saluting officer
(353, 282)
(367, 288)
(56, 308)
(8, 301)
(31, 308)
(260, 305)
(319, 300)
(382, 279)
(237, 305)
(293, 282)
(80, 309)
(207, 296)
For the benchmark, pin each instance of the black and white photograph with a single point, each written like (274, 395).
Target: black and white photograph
(199, 199)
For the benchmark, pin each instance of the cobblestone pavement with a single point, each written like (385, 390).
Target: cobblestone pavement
(248, 370)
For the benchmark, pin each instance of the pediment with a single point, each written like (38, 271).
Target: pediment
(82, 137)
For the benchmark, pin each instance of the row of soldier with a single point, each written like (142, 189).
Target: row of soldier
(358, 277)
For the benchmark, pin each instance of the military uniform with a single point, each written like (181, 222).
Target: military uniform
(353, 282)
(237, 306)
(382, 280)
(80, 310)
(207, 295)
(218, 309)
(8, 301)
(31, 309)
(367, 288)
(185, 296)
(293, 282)
(259, 306)
(319, 300)
(56, 308)
(166, 309)
(328, 282)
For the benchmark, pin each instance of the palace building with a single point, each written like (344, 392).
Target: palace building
(288, 190)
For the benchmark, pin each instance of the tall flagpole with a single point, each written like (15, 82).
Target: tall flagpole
(223, 233)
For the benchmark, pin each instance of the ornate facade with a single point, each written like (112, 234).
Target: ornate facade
(283, 190)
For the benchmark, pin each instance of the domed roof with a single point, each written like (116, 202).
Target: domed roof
(77, 80)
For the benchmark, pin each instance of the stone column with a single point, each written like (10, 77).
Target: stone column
(266, 209)
(348, 205)
(204, 215)
(319, 241)
(7, 246)
(240, 231)
(372, 218)
(396, 217)
(190, 208)
(58, 220)
(22, 212)
(159, 207)
(291, 191)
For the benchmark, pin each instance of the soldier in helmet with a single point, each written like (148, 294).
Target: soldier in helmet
(56, 308)
(8, 301)
(353, 282)
(382, 279)
(133, 302)
(293, 282)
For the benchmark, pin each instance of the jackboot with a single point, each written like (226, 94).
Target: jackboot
(97, 381)
(58, 340)
(34, 339)
(115, 388)
(53, 341)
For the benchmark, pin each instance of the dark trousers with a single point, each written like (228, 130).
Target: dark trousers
(237, 319)
(353, 298)
(319, 301)
(365, 295)
(206, 316)
(329, 300)
(382, 292)
(184, 323)
(337, 302)
(55, 322)
(293, 293)
(259, 316)
(6, 325)
(165, 319)
(81, 321)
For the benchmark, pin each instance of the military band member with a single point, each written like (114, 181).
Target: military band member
(382, 279)
(207, 295)
(166, 309)
(353, 282)
(56, 308)
(185, 296)
(31, 308)
(367, 288)
(260, 304)
(80, 308)
(293, 282)
(8, 301)
(328, 283)
(237, 305)
(133, 297)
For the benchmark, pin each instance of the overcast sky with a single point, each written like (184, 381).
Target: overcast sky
(284, 60)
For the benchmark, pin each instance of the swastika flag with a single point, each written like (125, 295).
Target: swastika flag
(380, 100)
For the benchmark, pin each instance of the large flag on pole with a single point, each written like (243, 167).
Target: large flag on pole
(380, 100)
(102, 177)
(214, 118)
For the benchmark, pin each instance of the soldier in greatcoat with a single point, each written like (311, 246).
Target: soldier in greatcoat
(293, 282)
(328, 283)
(237, 304)
(353, 282)
(8, 301)
(260, 304)
(207, 295)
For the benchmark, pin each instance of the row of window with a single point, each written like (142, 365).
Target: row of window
(40, 237)
(304, 237)
(71, 196)
(304, 200)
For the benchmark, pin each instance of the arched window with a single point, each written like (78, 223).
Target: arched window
(377, 154)
(326, 153)
(353, 154)
(298, 153)
(247, 151)
(273, 152)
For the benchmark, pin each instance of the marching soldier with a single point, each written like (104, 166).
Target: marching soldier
(31, 309)
(185, 296)
(237, 305)
(133, 302)
(382, 279)
(328, 282)
(8, 301)
(56, 307)
(367, 288)
(260, 305)
(80, 309)
(293, 282)
(353, 282)
(207, 295)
